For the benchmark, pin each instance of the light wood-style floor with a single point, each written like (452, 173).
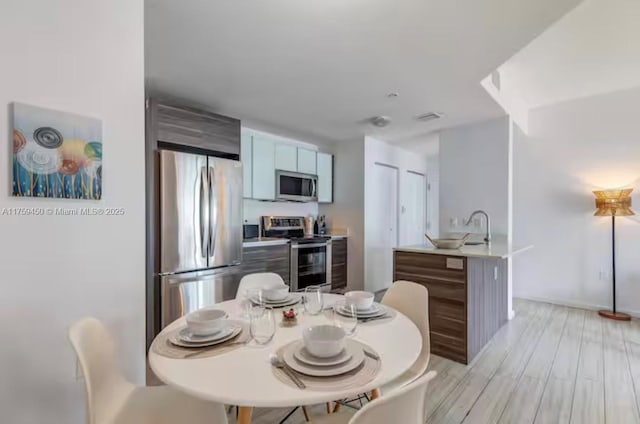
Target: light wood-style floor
(549, 364)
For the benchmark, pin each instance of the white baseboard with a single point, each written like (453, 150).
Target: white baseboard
(579, 305)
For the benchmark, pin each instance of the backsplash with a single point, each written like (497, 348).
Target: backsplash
(254, 209)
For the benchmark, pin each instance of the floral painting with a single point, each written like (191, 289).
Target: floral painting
(56, 154)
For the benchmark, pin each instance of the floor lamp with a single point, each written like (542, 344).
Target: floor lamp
(613, 203)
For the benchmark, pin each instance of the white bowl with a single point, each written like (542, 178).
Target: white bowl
(446, 243)
(276, 293)
(360, 299)
(324, 341)
(204, 322)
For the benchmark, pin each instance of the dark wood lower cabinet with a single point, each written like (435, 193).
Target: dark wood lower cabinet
(266, 259)
(278, 258)
(467, 299)
(338, 264)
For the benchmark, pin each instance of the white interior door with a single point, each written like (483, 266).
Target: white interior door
(383, 228)
(413, 221)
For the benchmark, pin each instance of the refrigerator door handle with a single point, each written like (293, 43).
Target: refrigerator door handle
(204, 211)
(213, 210)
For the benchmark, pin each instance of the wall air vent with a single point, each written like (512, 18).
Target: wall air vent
(431, 116)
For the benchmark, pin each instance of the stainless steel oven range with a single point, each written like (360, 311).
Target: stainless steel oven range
(310, 256)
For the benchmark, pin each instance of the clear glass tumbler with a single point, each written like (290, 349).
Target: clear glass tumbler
(345, 316)
(251, 297)
(313, 300)
(262, 324)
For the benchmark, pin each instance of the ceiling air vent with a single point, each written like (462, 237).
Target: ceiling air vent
(430, 116)
(381, 121)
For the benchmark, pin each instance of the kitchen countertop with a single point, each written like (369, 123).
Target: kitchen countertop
(273, 241)
(498, 249)
(264, 241)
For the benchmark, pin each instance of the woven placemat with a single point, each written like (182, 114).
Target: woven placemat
(362, 375)
(163, 346)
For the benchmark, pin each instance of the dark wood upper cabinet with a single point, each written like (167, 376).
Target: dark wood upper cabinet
(196, 128)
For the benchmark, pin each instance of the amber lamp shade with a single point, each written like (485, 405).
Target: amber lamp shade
(613, 203)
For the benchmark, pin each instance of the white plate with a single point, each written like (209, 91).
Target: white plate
(289, 298)
(353, 363)
(381, 311)
(187, 336)
(303, 355)
(235, 330)
(373, 309)
(289, 301)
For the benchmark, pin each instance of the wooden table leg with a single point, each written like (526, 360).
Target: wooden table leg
(244, 415)
(306, 414)
(375, 394)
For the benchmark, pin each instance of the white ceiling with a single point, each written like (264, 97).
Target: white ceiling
(320, 68)
(594, 49)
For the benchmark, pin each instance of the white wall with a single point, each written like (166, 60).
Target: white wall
(254, 209)
(589, 51)
(85, 57)
(376, 151)
(574, 148)
(347, 210)
(474, 174)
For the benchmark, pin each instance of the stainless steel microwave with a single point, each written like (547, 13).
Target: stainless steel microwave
(296, 186)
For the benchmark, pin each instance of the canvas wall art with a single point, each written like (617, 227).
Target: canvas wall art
(56, 154)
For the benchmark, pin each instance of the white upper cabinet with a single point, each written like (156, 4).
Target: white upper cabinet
(246, 157)
(325, 178)
(306, 161)
(262, 155)
(286, 157)
(264, 169)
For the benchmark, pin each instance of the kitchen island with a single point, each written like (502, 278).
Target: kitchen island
(468, 293)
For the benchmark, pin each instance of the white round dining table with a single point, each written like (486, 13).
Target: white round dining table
(244, 377)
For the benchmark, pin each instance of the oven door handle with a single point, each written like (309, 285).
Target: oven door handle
(302, 246)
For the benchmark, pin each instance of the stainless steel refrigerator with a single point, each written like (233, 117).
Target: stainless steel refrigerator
(200, 231)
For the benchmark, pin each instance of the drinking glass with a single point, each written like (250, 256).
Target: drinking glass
(313, 300)
(262, 324)
(345, 316)
(251, 296)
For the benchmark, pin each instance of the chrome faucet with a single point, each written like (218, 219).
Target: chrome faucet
(487, 237)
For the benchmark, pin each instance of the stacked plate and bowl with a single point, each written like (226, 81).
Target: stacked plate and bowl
(362, 302)
(275, 297)
(324, 351)
(206, 327)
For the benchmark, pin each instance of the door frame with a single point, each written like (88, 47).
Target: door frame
(425, 198)
(397, 169)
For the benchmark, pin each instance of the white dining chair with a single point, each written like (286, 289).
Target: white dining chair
(114, 400)
(412, 300)
(259, 280)
(405, 405)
